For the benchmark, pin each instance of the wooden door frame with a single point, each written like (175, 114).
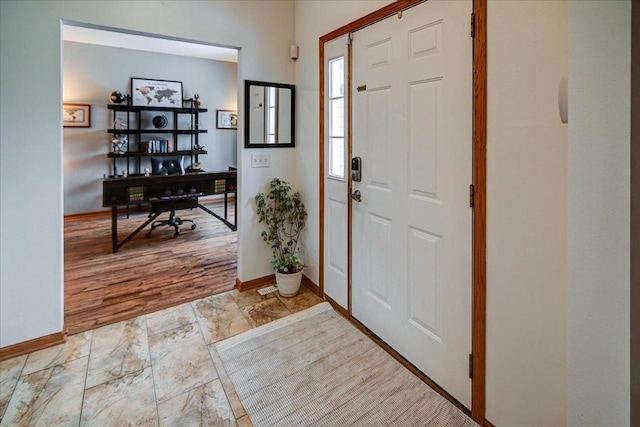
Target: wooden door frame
(478, 327)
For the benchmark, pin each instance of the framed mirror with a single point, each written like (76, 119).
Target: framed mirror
(269, 114)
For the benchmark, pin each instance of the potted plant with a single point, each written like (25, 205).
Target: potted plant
(284, 215)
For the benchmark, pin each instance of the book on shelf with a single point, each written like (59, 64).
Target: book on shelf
(220, 185)
(157, 146)
(136, 194)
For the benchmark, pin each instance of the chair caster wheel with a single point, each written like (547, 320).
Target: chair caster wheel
(177, 233)
(193, 227)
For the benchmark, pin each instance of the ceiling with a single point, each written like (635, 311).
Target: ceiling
(147, 43)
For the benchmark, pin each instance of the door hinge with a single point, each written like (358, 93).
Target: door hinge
(349, 39)
(361, 88)
(473, 25)
(471, 195)
(470, 365)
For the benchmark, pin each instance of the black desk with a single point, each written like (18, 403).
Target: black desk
(167, 192)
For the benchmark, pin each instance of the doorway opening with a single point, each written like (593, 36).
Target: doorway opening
(147, 274)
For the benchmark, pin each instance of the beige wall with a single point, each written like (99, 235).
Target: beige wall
(635, 215)
(526, 214)
(598, 368)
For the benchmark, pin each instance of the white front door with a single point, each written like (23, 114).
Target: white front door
(411, 233)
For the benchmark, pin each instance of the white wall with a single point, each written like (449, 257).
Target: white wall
(31, 282)
(635, 215)
(526, 214)
(313, 20)
(91, 72)
(599, 185)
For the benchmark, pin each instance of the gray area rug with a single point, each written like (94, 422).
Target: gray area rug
(315, 368)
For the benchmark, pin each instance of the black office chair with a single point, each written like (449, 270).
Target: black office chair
(170, 166)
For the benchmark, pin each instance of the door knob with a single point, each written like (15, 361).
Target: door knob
(357, 196)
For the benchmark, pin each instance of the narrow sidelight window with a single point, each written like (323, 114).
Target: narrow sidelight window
(336, 118)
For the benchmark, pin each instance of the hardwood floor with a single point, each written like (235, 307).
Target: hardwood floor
(147, 274)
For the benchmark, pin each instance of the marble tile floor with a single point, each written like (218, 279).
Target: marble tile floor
(159, 369)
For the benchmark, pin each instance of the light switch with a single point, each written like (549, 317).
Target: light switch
(259, 160)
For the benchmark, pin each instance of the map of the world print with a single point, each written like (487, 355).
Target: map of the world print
(156, 93)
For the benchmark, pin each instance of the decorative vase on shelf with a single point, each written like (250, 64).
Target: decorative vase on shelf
(120, 124)
(159, 122)
(117, 97)
(119, 142)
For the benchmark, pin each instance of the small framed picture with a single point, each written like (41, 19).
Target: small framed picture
(226, 119)
(76, 115)
(156, 93)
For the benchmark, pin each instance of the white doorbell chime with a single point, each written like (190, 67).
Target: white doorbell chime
(293, 51)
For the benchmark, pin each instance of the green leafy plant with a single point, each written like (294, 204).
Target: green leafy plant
(284, 216)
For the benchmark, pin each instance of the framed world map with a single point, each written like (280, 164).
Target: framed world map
(156, 93)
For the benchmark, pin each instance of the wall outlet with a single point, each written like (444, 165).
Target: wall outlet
(260, 160)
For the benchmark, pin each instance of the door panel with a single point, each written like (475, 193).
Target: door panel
(423, 310)
(411, 233)
(336, 249)
(423, 138)
(378, 136)
(379, 229)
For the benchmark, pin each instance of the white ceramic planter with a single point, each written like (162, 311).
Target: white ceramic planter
(289, 284)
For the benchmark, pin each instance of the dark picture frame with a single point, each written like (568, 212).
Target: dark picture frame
(226, 119)
(156, 93)
(76, 115)
(256, 105)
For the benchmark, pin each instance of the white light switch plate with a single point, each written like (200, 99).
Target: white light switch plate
(259, 160)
